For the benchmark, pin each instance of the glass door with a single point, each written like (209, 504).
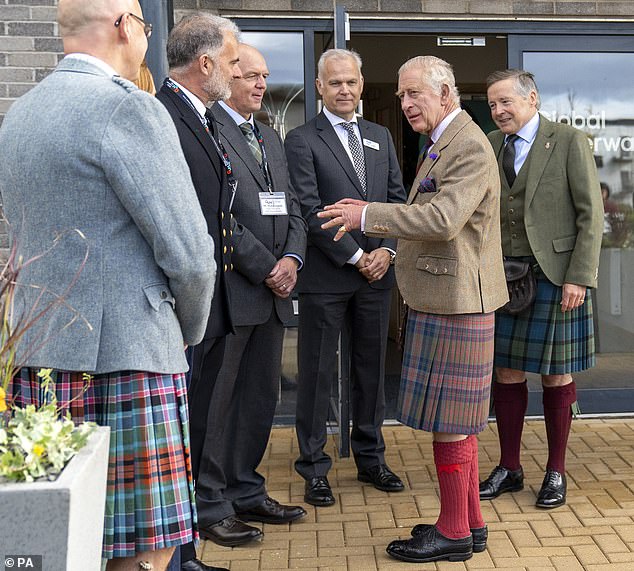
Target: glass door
(585, 81)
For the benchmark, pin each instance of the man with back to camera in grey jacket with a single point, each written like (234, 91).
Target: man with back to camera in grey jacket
(86, 150)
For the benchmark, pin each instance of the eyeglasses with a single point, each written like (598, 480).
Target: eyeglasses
(254, 77)
(147, 28)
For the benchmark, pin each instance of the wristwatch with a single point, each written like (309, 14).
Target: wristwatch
(392, 258)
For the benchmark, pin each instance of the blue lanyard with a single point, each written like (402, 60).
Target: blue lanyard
(224, 157)
(265, 162)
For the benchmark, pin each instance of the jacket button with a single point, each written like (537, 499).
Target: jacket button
(426, 266)
(224, 232)
(224, 250)
(163, 294)
(512, 222)
(445, 270)
(222, 216)
(226, 267)
(513, 236)
(510, 198)
(232, 249)
(231, 267)
(511, 211)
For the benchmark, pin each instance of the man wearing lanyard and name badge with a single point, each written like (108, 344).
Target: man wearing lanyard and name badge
(202, 53)
(268, 245)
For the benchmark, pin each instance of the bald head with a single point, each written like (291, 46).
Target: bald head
(89, 27)
(248, 91)
(76, 17)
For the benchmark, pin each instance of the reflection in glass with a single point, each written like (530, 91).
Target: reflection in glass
(587, 91)
(283, 105)
(590, 91)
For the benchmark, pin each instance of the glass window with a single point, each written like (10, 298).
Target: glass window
(283, 106)
(589, 90)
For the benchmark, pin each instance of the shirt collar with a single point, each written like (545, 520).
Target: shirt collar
(239, 119)
(439, 130)
(194, 100)
(102, 65)
(529, 131)
(335, 119)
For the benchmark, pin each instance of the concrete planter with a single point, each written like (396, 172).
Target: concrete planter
(60, 521)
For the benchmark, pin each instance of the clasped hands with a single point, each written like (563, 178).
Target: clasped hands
(283, 277)
(346, 214)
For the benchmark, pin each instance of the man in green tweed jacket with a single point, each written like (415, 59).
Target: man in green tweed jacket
(551, 216)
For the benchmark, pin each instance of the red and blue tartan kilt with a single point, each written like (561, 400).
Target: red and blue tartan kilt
(149, 495)
(446, 376)
(544, 340)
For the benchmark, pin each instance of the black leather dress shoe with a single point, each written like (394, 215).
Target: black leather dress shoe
(553, 491)
(501, 480)
(478, 534)
(382, 478)
(271, 511)
(230, 532)
(317, 492)
(431, 545)
(198, 565)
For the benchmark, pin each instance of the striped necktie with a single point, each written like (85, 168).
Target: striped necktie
(252, 141)
(358, 160)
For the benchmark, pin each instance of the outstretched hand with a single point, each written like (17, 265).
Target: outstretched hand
(346, 214)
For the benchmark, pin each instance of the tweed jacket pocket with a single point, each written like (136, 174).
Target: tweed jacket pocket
(157, 294)
(437, 265)
(564, 244)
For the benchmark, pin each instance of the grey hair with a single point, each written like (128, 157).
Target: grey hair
(337, 54)
(197, 34)
(524, 82)
(435, 73)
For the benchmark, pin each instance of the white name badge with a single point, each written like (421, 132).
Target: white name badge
(273, 204)
(372, 144)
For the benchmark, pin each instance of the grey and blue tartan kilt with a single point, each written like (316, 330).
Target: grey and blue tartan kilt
(544, 340)
(446, 375)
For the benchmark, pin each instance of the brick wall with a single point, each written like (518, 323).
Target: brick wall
(481, 8)
(29, 46)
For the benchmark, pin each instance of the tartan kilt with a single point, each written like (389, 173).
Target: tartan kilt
(544, 340)
(149, 494)
(446, 376)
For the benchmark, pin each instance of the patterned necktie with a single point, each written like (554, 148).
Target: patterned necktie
(358, 160)
(508, 159)
(252, 141)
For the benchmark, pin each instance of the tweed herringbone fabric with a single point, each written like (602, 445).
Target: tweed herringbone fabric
(149, 495)
(543, 339)
(446, 376)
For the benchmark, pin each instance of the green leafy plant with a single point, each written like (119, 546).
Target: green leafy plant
(37, 442)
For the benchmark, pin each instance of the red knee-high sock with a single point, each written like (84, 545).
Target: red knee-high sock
(453, 464)
(510, 402)
(475, 514)
(558, 416)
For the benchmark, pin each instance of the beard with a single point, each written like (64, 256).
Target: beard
(217, 87)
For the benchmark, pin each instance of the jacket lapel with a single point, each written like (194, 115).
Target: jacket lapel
(540, 153)
(439, 146)
(328, 135)
(370, 156)
(190, 118)
(233, 135)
